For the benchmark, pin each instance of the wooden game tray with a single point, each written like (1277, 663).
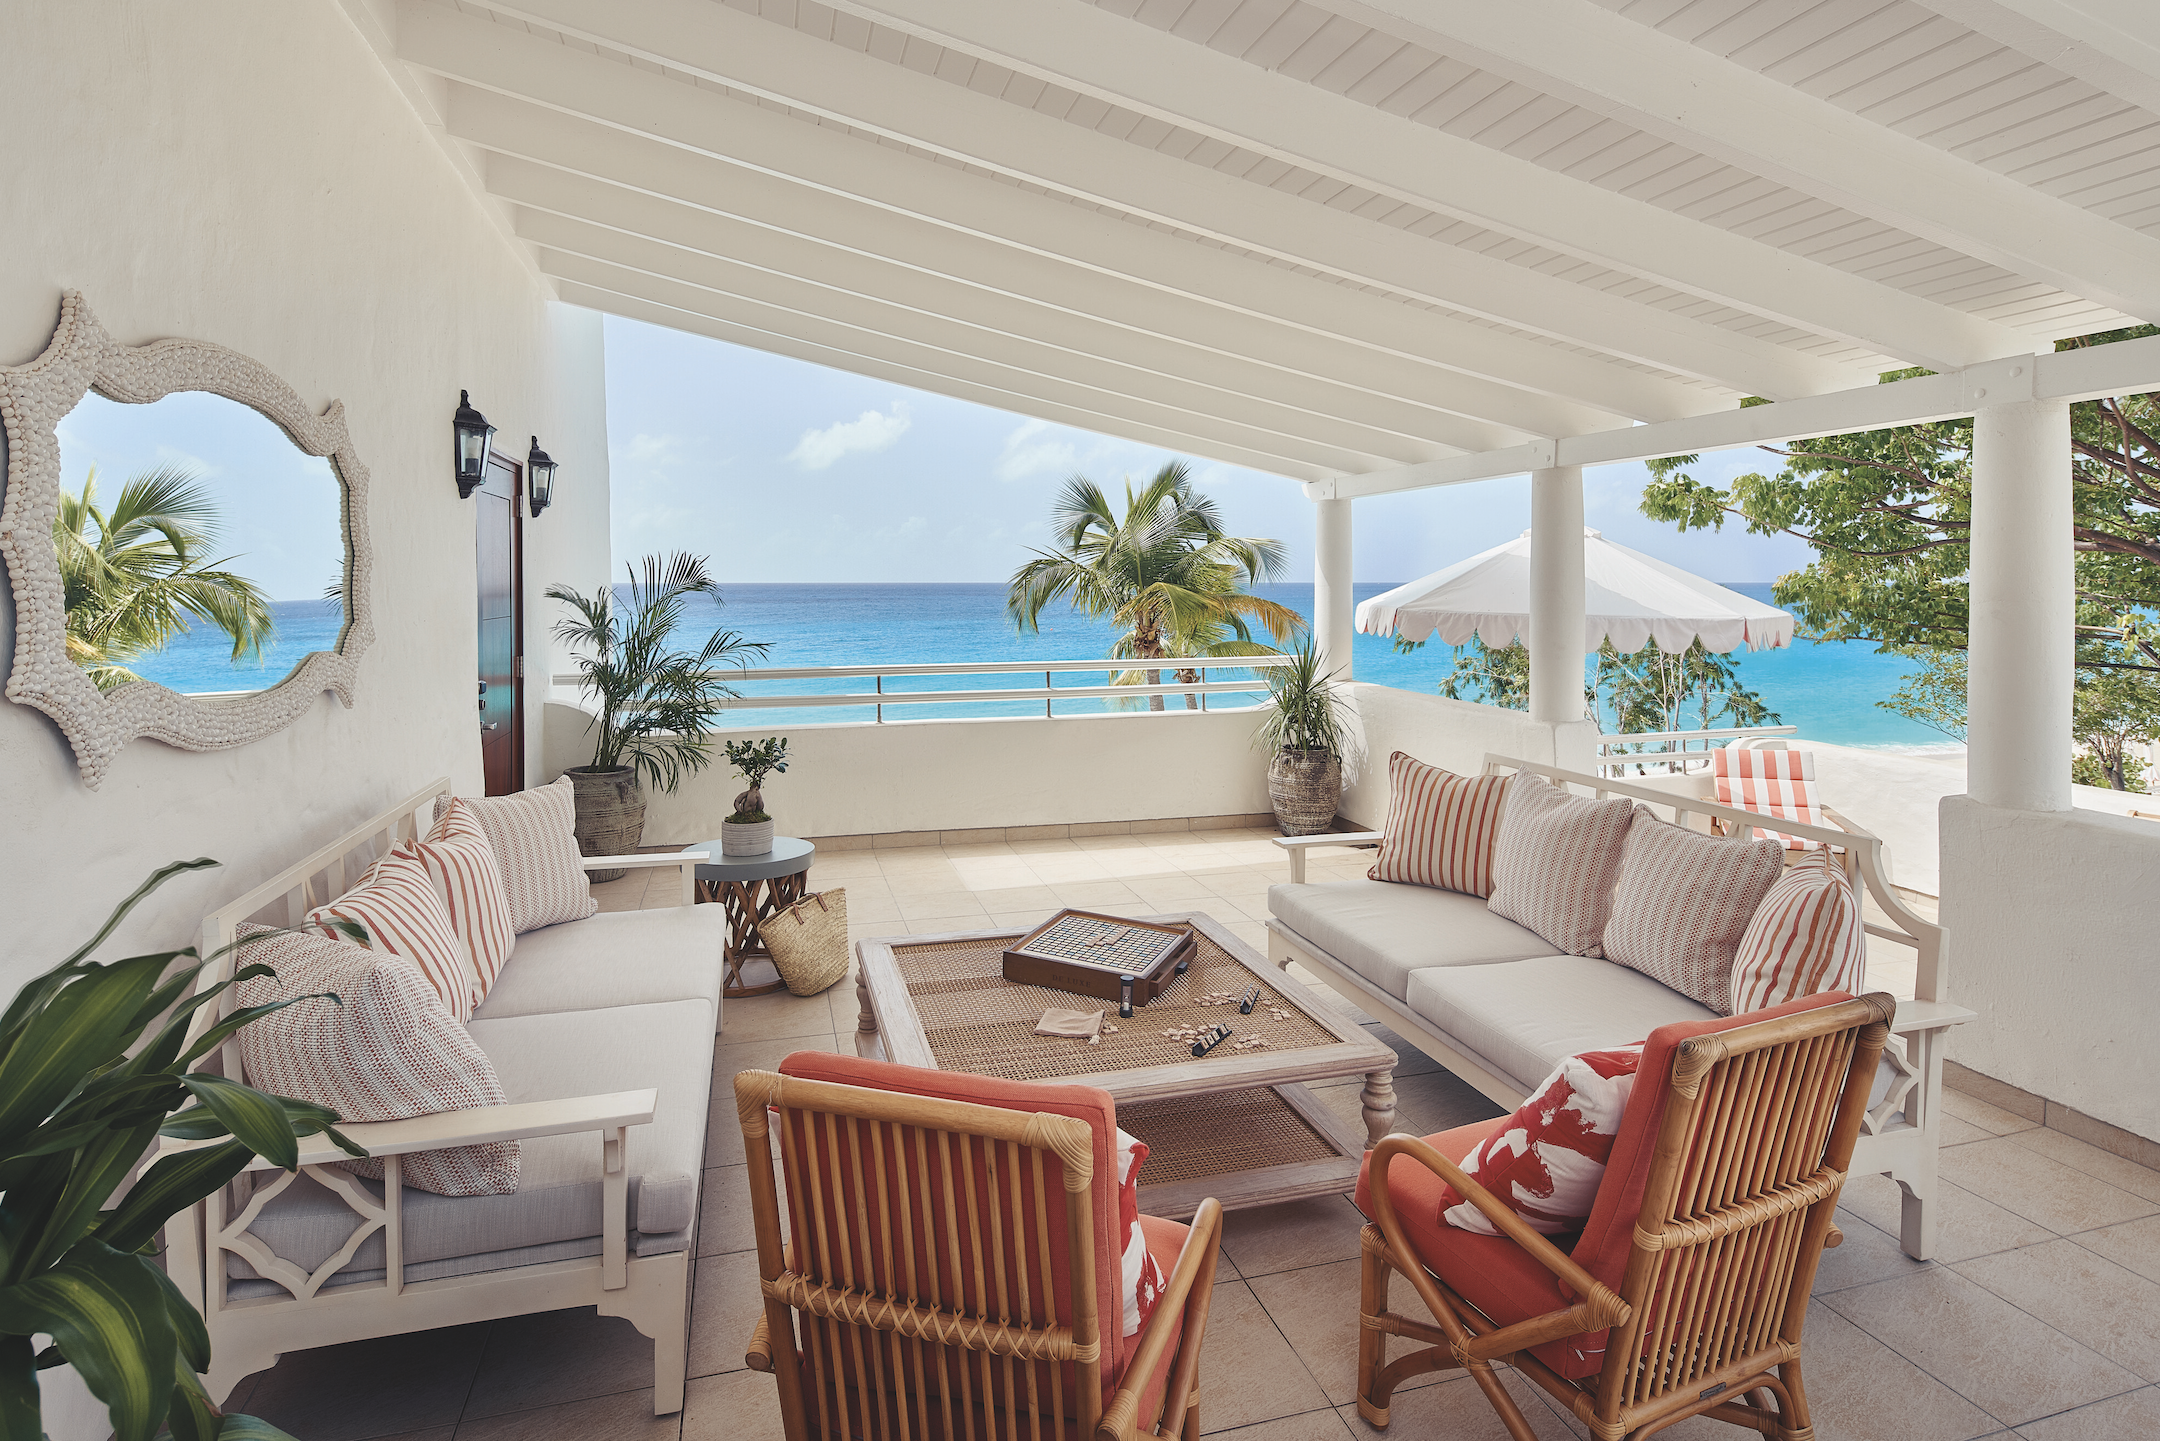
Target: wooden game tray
(1092, 954)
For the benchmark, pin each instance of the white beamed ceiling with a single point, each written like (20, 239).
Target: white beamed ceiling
(1322, 238)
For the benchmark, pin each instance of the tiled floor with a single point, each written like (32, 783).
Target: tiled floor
(2040, 1318)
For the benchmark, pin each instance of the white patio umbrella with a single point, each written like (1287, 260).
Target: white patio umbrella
(1628, 598)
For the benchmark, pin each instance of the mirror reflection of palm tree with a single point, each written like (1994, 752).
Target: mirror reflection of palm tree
(132, 576)
(1165, 570)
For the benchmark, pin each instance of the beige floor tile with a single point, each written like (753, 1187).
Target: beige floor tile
(1860, 1389)
(2090, 1160)
(842, 866)
(1066, 870)
(723, 1131)
(1965, 1225)
(1957, 1133)
(881, 907)
(1171, 890)
(559, 1356)
(1018, 920)
(940, 905)
(1099, 894)
(2134, 1244)
(2039, 1188)
(1249, 1372)
(1018, 898)
(775, 1017)
(724, 1211)
(1310, 1426)
(994, 875)
(724, 1309)
(625, 1417)
(1988, 1118)
(1456, 1410)
(2134, 1417)
(1295, 1234)
(337, 1393)
(1867, 1255)
(1316, 1309)
(736, 1406)
(1987, 1350)
(2086, 1297)
(845, 1008)
(1041, 845)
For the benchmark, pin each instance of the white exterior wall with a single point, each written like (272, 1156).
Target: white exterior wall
(250, 176)
(1455, 735)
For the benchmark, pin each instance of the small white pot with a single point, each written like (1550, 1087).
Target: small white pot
(745, 838)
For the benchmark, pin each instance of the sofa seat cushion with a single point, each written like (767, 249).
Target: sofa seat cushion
(616, 958)
(557, 1205)
(1384, 931)
(1524, 1018)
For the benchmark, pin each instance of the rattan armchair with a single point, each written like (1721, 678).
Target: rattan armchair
(1689, 1300)
(942, 1266)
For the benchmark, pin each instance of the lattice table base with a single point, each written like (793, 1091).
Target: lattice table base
(749, 902)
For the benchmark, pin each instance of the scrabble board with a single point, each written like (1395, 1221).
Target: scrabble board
(1092, 955)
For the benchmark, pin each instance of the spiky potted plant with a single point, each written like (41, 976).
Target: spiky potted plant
(1303, 729)
(749, 831)
(656, 703)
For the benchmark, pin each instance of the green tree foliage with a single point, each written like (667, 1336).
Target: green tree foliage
(1648, 691)
(1934, 695)
(132, 576)
(2110, 710)
(1165, 570)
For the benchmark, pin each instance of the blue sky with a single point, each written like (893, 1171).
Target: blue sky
(781, 470)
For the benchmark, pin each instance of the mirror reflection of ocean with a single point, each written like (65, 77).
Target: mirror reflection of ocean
(1829, 691)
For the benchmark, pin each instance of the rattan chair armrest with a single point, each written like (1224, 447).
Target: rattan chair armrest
(758, 1355)
(1191, 1279)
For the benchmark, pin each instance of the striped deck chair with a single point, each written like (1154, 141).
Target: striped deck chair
(1771, 783)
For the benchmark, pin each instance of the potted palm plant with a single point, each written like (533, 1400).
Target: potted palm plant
(1302, 727)
(749, 831)
(655, 703)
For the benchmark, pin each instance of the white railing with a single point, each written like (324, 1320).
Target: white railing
(878, 697)
(1671, 749)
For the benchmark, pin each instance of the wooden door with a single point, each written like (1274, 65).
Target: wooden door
(502, 629)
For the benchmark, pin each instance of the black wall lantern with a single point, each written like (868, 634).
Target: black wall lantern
(539, 478)
(474, 438)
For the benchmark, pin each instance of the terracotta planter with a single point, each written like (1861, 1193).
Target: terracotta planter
(1305, 787)
(610, 814)
(745, 838)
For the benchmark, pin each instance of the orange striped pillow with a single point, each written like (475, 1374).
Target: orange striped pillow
(398, 906)
(467, 881)
(1440, 827)
(1806, 937)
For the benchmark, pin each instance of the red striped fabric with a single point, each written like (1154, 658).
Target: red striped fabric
(1770, 783)
(1440, 827)
(1683, 903)
(536, 850)
(461, 864)
(398, 905)
(1807, 937)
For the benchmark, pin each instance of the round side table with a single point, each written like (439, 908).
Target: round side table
(752, 888)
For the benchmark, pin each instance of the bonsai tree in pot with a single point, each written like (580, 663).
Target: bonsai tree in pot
(1303, 729)
(749, 831)
(656, 702)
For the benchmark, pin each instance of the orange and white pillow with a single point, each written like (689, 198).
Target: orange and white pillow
(1807, 936)
(386, 1049)
(1683, 902)
(1546, 1161)
(1770, 783)
(461, 864)
(1555, 862)
(533, 836)
(404, 917)
(1440, 827)
(1140, 1279)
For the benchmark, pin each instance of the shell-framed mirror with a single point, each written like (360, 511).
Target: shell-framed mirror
(186, 541)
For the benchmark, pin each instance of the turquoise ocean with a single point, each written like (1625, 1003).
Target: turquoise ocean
(1829, 691)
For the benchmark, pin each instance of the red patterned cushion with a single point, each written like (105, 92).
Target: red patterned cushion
(1440, 827)
(1140, 1276)
(467, 881)
(533, 835)
(1683, 902)
(1555, 862)
(385, 1050)
(1806, 937)
(405, 918)
(1546, 1161)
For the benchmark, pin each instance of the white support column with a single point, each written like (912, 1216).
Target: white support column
(1334, 609)
(1557, 626)
(2019, 677)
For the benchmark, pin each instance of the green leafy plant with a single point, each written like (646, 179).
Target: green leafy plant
(657, 703)
(1304, 711)
(753, 761)
(94, 1068)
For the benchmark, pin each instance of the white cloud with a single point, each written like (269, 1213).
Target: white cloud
(871, 431)
(1032, 450)
(652, 449)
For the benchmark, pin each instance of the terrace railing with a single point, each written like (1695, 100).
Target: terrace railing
(1672, 752)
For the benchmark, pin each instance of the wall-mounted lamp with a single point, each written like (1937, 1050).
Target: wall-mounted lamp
(539, 478)
(474, 438)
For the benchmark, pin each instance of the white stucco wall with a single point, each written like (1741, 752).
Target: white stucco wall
(1455, 735)
(248, 174)
(2054, 937)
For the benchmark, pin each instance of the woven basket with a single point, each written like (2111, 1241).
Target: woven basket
(610, 814)
(1304, 787)
(809, 942)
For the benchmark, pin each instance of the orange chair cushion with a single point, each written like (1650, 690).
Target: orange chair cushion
(1165, 1241)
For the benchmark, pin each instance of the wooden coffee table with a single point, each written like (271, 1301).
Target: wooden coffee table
(1238, 1125)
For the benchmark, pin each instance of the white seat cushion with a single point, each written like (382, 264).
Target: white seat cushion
(1524, 1018)
(616, 958)
(556, 1210)
(1384, 931)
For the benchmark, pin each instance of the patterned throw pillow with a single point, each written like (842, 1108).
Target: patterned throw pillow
(1806, 937)
(1555, 862)
(535, 848)
(404, 917)
(1140, 1279)
(1440, 827)
(1546, 1161)
(385, 1050)
(1683, 901)
(461, 864)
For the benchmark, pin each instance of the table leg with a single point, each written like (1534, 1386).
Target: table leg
(1378, 1100)
(866, 1023)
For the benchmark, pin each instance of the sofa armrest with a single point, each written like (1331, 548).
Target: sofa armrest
(472, 1127)
(687, 861)
(1298, 845)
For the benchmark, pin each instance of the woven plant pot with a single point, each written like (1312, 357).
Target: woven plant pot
(745, 838)
(1304, 787)
(610, 814)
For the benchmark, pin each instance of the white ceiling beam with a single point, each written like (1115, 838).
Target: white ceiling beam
(1589, 56)
(762, 57)
(2081, 373)
(845, 330)
(1098, 53)
(2111, 45)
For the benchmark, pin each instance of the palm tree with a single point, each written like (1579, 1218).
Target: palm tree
(1165, 571)
(133, 575)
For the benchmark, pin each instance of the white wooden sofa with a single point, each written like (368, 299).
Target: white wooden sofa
(1489, 999)
(601, 1031)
